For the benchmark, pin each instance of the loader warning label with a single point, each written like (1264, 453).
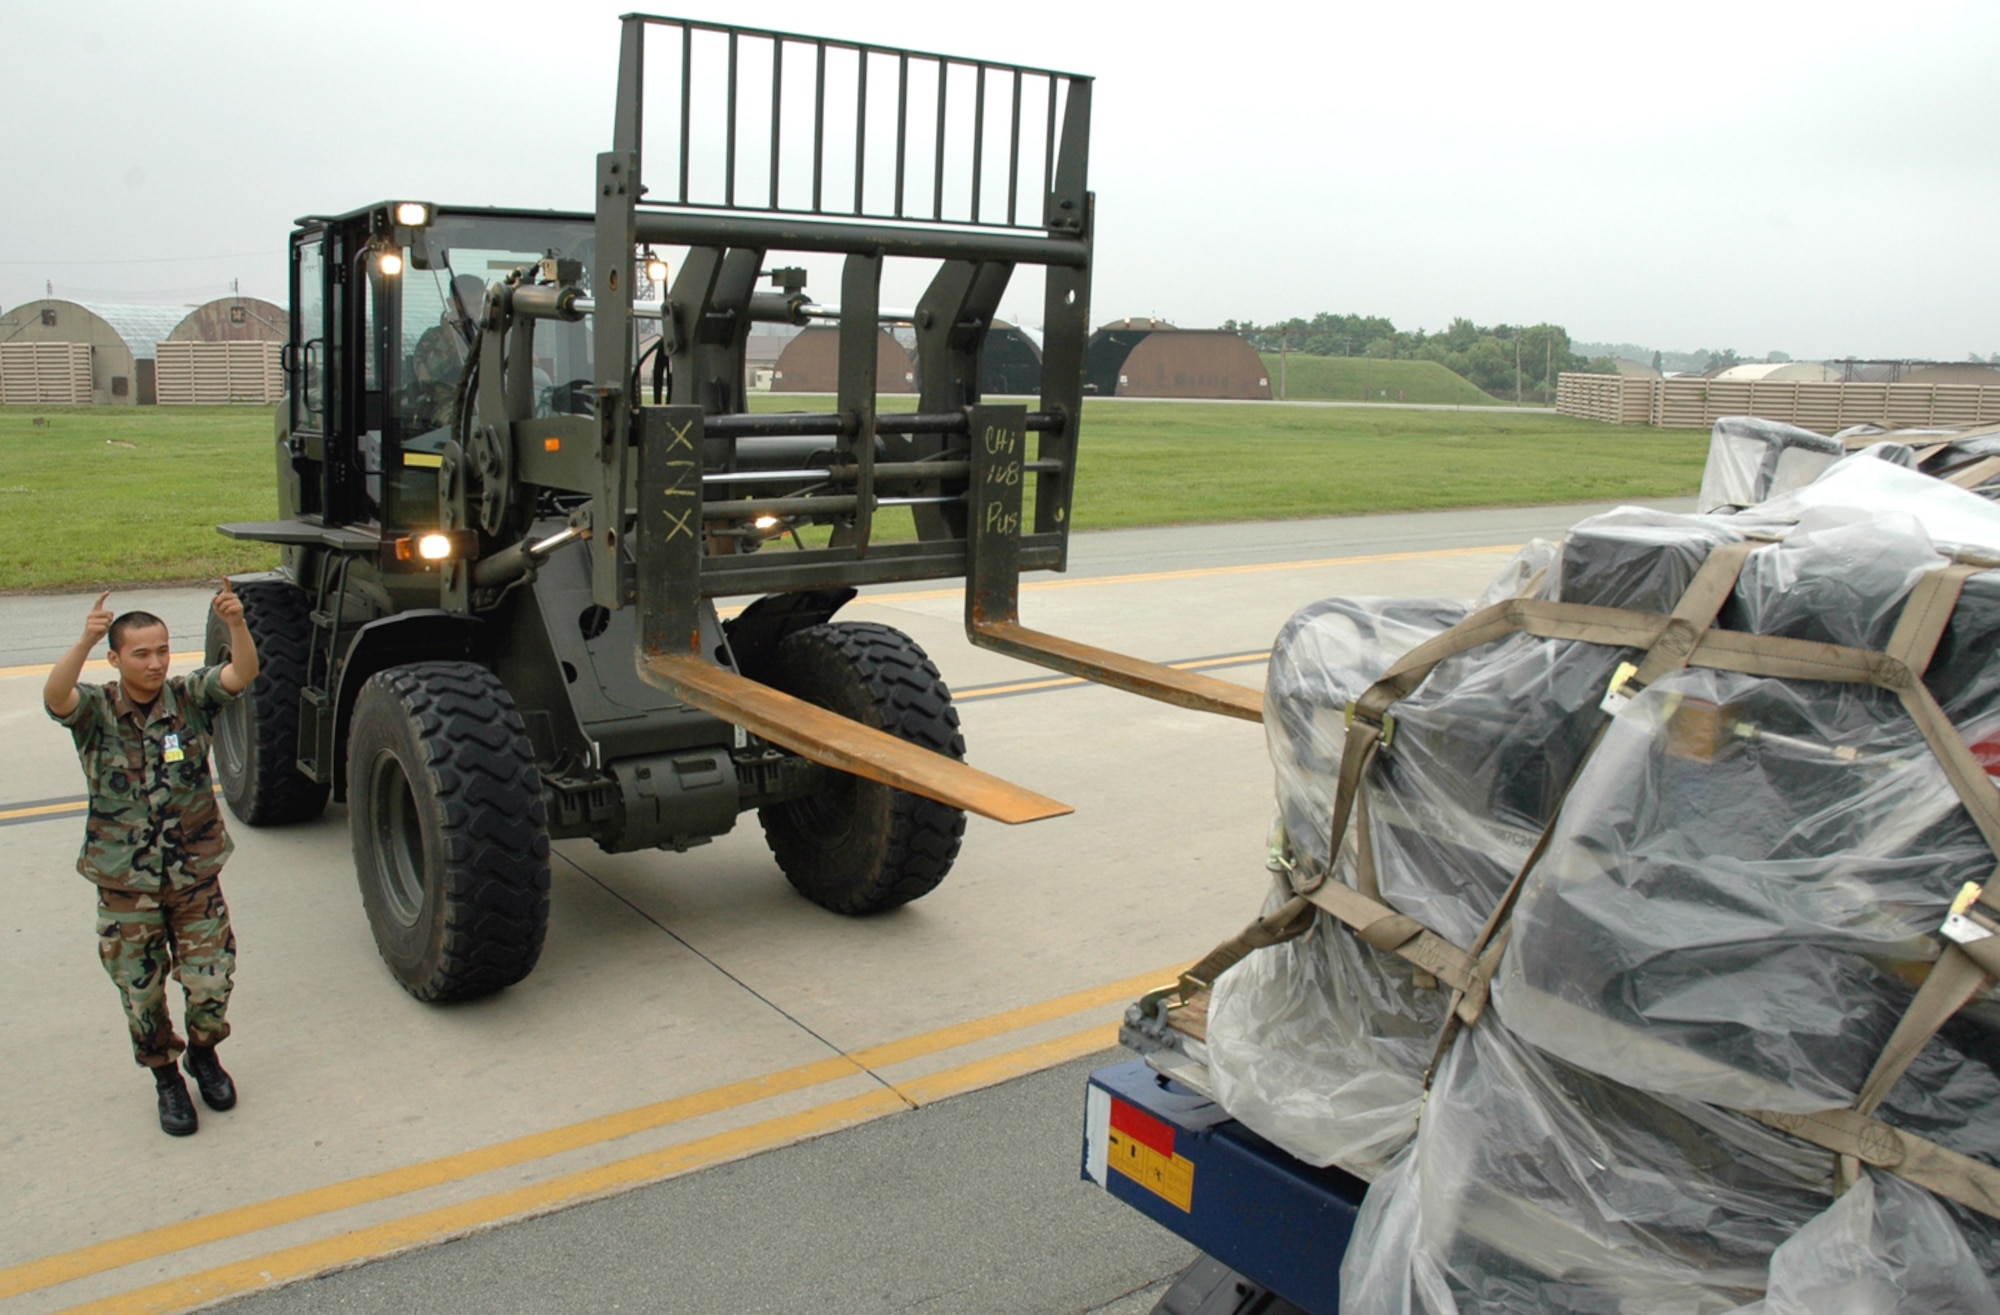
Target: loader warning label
(1141, 1148)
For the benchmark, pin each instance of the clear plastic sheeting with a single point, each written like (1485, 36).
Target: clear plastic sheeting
(1750, 460)
(1863, 489)
(1533, 1187)
(1329, 1082)
(1885, 1248)
(1739, 897)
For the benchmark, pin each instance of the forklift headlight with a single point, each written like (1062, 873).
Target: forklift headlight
(436, 546)
(413, 214)
(390, 263)
(656, 271)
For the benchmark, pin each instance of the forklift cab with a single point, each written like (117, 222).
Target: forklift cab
(386, 304)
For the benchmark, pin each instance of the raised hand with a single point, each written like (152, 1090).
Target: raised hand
(227, 605)
(98, 624)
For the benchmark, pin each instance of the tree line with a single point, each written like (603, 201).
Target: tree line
(1505, 360)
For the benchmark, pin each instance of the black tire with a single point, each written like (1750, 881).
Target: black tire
(860, 846)
(451, 843)
(257, 735)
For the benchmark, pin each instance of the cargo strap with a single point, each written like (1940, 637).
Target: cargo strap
(1972, 476)
(1287, 922)
(1856, 1136)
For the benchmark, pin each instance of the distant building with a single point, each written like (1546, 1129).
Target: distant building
(761, 350)
(233, 319)
(58, 352)
(1957, 372)
(1811, 372)
(810, 363)
(223, 353)
(1011, 364)
(1151, 358)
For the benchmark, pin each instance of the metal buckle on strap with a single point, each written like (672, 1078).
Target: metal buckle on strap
(1959, 924)
(1621, 691)
(1387, 725)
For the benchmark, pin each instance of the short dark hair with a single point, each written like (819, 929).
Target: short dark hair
(132, 621)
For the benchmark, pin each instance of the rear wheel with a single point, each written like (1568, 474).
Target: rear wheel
(860, 846)
(450, 838)
(257, 735)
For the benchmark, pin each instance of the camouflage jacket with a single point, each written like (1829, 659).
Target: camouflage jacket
(154, 822)
(431, 387)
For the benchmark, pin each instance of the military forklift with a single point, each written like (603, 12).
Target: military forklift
(517, 468)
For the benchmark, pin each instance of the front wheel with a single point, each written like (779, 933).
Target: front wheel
(860, 846)
(451, 844)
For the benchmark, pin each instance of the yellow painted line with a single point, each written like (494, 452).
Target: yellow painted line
(999, 1068)
(114, 1253)
(433, 1226)
(1013, 1020)
(1200, 572)
(436, 1225)
(96, 667)
(44, 810)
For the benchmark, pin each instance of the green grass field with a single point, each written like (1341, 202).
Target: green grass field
(101, 496)
(1359, 379)
(119, 496)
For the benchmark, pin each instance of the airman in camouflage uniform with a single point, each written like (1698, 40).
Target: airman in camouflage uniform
(154, 843)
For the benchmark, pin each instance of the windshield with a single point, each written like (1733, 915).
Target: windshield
(436, 318)
(441, 305)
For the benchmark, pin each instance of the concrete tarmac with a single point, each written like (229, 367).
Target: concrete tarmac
(689, 1010)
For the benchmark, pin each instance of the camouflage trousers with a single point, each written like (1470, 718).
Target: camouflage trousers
(145, 937)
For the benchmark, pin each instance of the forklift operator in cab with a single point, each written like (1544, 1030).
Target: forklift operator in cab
(434, 366)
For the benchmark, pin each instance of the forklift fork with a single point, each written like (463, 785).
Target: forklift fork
(993, 586)
(670, 546)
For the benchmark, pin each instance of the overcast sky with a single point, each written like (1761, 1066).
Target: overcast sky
(1820, 179)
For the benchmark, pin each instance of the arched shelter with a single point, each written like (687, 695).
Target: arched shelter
(232, 319)
(810, 363)
(223, 352)
(1011, 364)
(1148, 358)
(58, 351)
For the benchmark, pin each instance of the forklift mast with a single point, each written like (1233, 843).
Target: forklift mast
(980, 167)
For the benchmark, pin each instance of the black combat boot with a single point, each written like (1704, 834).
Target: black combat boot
(177, 1117)
(217, 1091)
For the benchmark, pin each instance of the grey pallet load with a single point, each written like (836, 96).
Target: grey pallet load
(1736, 888)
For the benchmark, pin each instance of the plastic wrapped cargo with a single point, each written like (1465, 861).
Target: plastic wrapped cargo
(1884, 1248)
(1750, 460)
(1734, 909)
(1320, 1044)
(1533, 1186)
(1322, 1048)
(1744, 888)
